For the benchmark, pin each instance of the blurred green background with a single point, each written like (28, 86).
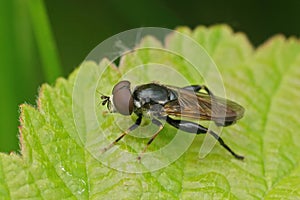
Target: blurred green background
(42, 40)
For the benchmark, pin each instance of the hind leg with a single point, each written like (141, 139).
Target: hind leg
(192, 127)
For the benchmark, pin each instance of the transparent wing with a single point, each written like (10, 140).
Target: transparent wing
(197, 105)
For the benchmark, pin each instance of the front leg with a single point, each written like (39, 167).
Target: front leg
(131, 128)
(192, 127)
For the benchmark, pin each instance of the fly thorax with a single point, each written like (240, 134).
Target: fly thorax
(137, 104)
(156, 110)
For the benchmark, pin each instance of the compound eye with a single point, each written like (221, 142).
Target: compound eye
(122, 98)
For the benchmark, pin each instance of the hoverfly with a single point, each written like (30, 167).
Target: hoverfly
(167, 103)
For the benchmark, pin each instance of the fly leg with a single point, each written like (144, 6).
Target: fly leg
(197, 88)
(131, 128)
(192, 127)
(160, 127)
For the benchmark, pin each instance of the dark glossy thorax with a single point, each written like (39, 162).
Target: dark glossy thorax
(151, 94)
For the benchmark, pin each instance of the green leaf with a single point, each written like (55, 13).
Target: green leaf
(58, 160)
